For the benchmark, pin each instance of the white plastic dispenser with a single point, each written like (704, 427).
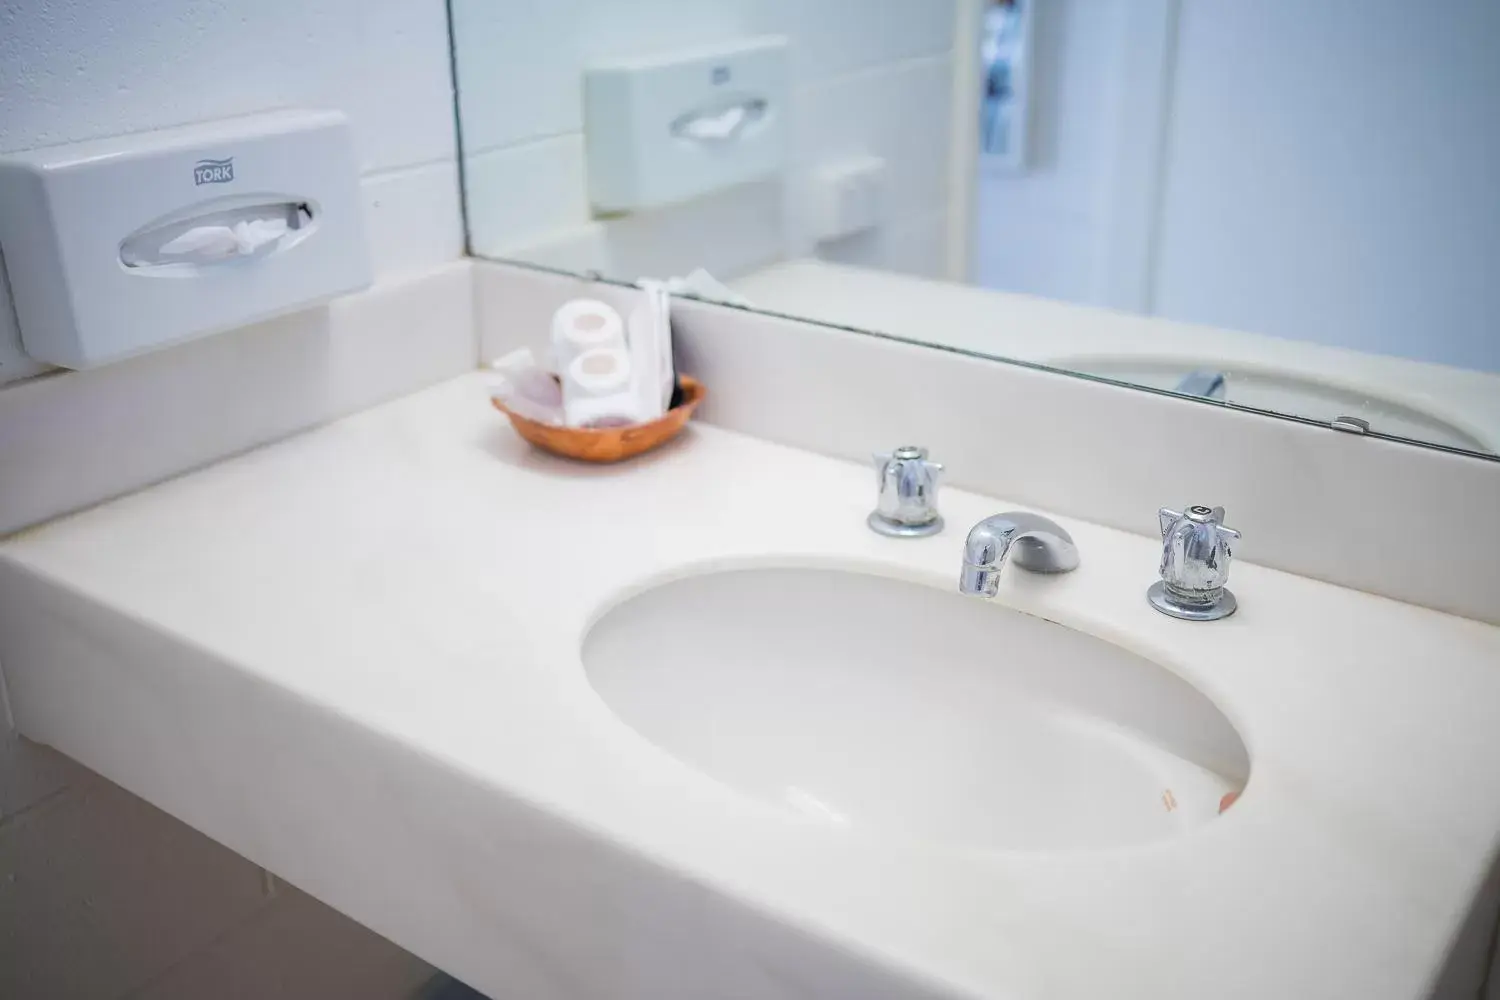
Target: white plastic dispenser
(115, 247)
(665, 128)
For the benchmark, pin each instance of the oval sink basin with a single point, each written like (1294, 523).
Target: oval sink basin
(860, 700)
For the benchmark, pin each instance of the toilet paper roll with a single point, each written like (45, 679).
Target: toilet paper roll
(597, 389)
(599, 372)
(584, 325)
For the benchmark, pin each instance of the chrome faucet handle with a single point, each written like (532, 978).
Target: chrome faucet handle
(906, 506)
(1196, 551)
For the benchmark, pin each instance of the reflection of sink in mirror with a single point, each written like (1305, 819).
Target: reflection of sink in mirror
(861, 701)
(1400, 397)
(1289, 392)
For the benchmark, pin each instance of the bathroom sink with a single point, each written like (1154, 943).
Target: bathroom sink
(1280, 391)
(906, 710)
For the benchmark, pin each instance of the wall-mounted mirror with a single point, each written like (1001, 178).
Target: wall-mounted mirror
(1283, 205)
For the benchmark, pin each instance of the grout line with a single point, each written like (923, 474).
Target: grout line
(878, 69)
(530, 140)
(11, 820)
(455, 109)
(5, 709)
(258, 914)
(380, 172)
(1491, 978)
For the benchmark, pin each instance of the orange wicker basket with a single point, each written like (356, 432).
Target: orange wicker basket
(609, 444)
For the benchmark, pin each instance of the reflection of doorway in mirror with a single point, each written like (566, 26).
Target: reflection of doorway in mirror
(1005, 49)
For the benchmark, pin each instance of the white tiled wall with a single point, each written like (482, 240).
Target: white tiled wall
(869, 77)
(102, 896)
(82, 69)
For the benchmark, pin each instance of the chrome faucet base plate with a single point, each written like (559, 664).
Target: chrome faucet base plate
(1223, 608)
(883, 525)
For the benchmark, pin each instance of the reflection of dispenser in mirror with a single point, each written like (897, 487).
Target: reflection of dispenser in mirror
(250, 217)
(722, 123)
(666, 128)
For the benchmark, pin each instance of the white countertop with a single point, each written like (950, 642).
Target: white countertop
(1077, 337)
(354, 657)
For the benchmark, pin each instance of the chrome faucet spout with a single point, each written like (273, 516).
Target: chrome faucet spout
(1040, 545)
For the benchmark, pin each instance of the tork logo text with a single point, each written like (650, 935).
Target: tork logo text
(214, 171)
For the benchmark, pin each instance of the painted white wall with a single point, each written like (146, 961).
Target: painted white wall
(81, 69)
(869, 77)
(1331, 175)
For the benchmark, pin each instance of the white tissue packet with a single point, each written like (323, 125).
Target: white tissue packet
(203, 241)
(650, 337)
(526, 389)
(214, 242)
(702, 285)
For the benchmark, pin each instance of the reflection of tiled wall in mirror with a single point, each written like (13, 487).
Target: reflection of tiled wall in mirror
(868, 79)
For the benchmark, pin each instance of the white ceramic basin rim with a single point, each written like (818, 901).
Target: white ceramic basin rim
(864, 701)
